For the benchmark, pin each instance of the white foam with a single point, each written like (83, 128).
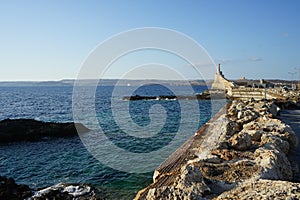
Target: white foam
(42, 192)
(77, 190)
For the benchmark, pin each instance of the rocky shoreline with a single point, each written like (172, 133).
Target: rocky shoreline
(12, 191)
(240, 154)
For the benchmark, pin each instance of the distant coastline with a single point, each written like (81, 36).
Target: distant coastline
(123, 82)
(104, 82)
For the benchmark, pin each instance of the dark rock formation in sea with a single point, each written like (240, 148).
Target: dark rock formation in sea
(12, 130)
(9, 190)
(206, 95)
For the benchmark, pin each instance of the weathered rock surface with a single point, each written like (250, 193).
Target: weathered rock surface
(33, 130)
(247, 145)
(263, 189)
(240, 141)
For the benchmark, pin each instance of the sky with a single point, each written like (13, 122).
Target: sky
(42, 40)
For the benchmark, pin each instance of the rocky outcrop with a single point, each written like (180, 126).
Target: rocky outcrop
(33, 130)
(11, 191)
(243, 149)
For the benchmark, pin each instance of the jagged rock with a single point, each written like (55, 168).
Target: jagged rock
(290, 136)
(255, 135)
(227, 154)
(274, 127)
(268, 138)
(189, 185)
(231, 172)
(240, 106)
(10, 190)
(246, 116)
(232, 127)
(170, 193)
(253, 146)
(191, 180)
(275, 165)
(263, 189)
(240, 141)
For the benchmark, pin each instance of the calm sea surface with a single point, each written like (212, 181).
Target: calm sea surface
(51, 161)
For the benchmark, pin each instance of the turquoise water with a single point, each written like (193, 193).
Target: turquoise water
(51, 161)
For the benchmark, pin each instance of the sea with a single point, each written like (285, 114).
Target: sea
(68, 160)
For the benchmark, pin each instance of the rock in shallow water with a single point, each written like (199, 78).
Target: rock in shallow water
(9, 190)
(13, 130)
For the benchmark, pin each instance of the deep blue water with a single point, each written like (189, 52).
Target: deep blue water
(51, 161)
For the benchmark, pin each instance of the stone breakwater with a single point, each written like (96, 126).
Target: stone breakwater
(242, 153)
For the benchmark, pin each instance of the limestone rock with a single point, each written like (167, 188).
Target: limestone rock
(240, 141)
(240, 106)
(246, 116)
(263, 189)
(191, 179)
(274, 127)
(278, 142)
(229, 171)
(232, 128)
(255, 135)
(227, 154)
(274, 163)
(250, 149)
(189, 185)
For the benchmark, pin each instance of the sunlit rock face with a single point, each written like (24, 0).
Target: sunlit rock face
(238, 153)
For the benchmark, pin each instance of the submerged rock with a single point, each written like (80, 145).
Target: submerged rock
(12, 130)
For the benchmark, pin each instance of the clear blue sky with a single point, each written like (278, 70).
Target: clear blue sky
(49, 40)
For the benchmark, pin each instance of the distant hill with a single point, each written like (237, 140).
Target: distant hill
(106, 82)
